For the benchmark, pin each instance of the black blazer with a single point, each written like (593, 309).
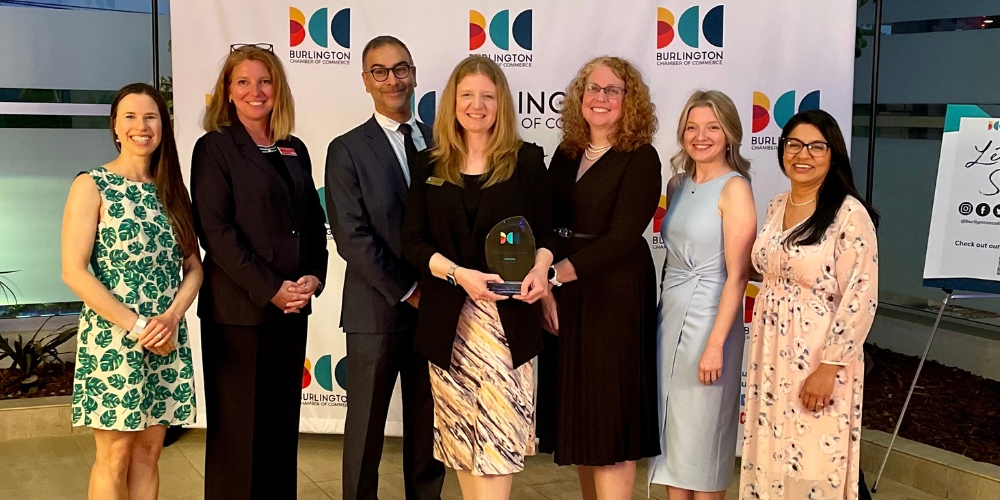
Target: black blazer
(435, 222)
(255, 233)
(365, 197)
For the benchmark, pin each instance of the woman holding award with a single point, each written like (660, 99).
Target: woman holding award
(479, 343)
(606, 185)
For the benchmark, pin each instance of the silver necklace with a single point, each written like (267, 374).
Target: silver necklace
(800, 204)
(598, 151)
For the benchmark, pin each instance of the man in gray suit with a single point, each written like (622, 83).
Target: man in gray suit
(367, 177)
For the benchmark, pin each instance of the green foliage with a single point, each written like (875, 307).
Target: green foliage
(27, 356)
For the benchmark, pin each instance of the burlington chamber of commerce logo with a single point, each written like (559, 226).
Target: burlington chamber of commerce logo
(320, 29)
(510, 238)
(672, 32)
(500, 31)
(658, 216)
(324, 374)
(993, 126)
(425, 108)
(783, 110)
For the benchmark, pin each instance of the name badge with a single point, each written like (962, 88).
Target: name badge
(287, 151)
(435, 181)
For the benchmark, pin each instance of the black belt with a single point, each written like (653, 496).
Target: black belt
(567, 233)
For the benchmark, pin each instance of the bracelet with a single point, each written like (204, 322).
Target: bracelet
(140, 325)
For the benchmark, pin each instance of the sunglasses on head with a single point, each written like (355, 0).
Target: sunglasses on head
(262, 46)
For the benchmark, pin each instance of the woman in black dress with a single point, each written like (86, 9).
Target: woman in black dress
(605, 189)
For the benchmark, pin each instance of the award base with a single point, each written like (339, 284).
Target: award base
(506, 288)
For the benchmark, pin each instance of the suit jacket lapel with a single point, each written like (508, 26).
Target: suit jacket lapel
(248, 148)
(428, 134)
(380, 145)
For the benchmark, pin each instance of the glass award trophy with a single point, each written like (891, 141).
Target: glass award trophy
(510, 253)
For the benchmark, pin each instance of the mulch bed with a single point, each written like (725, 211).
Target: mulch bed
(951, 408)
(53, 380)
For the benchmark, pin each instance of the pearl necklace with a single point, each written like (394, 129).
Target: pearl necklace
(598, 151)
(800, 204)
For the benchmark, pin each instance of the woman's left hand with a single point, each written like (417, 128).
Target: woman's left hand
(818, 387)
(710, 365)
(305, 285)
(159, 333)
(534, 286)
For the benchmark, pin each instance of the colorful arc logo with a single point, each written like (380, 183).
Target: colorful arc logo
(510, 238)
(500, 30)
(687, 26)
(993, 126)
(784, 108)
(319, 28)
(748, 301)
(425, 108)
(324, 373)
(661, 212)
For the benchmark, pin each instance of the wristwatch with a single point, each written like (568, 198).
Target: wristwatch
(451, 275)
(552, 276)
(140, 325)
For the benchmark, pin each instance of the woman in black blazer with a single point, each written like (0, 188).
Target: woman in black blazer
(258, 216)
(479, 343)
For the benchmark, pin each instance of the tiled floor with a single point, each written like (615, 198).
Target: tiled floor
(58, 468)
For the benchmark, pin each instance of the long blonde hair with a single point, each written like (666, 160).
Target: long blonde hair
(219, 113)
(638, 122)
(450, 152)
(729, 118)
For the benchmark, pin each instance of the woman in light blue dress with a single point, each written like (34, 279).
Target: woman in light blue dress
(709, 230)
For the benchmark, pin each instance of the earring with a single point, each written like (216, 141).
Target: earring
(117, 141)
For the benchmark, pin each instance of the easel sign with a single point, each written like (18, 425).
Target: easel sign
(963, 244)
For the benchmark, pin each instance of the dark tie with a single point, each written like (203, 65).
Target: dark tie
(408, 146)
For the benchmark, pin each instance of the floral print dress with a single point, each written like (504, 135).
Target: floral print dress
(118, 384)
(816, 306)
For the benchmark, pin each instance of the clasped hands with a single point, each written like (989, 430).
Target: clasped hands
(294, 295)
(158, 336)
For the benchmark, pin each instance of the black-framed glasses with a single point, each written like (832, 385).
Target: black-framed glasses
(400, 71)
(816, 149)
(612, 91)
(262, 46)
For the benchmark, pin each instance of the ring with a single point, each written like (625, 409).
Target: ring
(158, 335)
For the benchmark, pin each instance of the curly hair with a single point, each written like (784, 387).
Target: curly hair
(638, 122)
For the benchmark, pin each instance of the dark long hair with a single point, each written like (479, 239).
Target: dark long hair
(165, 167)
(839, 181)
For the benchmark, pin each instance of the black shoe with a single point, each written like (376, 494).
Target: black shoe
(172, 435)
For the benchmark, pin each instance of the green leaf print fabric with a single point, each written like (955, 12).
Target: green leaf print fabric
(118, 384)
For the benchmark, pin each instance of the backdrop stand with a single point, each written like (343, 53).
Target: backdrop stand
(949, 294)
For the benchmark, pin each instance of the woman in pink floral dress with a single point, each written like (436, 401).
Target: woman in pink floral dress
(819, 259)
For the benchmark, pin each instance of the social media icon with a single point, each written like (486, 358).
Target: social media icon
(983, 209)
(996, 211)
(965, 208)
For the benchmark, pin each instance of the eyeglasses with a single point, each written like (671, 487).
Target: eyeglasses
(611, 91)
(816, 149)
(262, 46)
(401, 71)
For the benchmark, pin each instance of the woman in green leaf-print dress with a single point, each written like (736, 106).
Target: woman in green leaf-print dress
(130, 221)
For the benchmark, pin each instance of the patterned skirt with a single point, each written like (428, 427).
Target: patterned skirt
(483, 406)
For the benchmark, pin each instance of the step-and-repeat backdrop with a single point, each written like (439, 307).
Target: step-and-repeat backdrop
(772, 57)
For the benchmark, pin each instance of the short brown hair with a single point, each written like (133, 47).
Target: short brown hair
(381, 41)
(638, 122)
(220, 115)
